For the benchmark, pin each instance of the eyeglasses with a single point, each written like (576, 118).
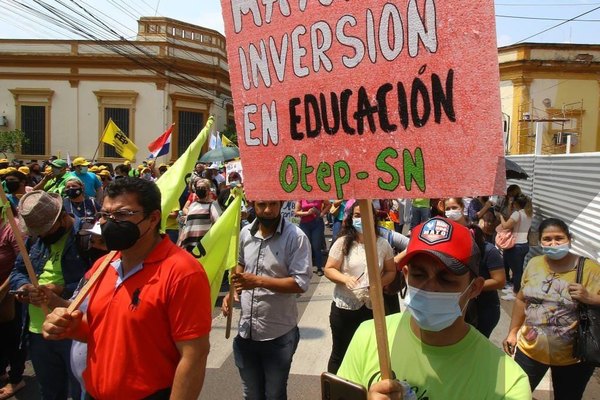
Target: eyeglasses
(119, 215)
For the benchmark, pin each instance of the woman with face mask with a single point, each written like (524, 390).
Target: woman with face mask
(519, 223)
(483, 312)
(199, 214)
(347, 268)
(77, 203)
(544, 318)
(455, 210)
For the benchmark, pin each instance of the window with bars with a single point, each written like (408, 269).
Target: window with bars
(120, 116)
(190, 124)
(33, 124)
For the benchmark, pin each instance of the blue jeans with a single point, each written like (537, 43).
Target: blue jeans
(265, 366)
(51, 362)
(335, 229)
(418, 215)
(315, 230)
(514, 259)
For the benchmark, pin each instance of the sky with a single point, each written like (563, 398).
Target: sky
(18, 23)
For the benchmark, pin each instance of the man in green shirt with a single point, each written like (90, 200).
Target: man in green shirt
(432, 348)
(54, 182)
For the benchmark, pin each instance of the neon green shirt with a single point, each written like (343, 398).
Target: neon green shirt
(471, 369)
(52, 273)
(420, 203)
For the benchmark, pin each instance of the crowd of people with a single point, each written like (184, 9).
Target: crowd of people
(447, 258)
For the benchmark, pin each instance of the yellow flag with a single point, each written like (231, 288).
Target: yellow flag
(115, 137)
(172, 182)
(226, 142)
(220, 245)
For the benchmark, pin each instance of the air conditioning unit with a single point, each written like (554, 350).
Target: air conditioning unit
(560, 138)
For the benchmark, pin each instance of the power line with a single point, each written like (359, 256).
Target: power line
(545, 19)
(546, 5)
(557, 25)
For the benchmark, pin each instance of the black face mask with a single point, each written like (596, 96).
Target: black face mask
(120, 235)
(268, 222)
(201, 192)
(73, 193)
(54, 236)
(12, 186)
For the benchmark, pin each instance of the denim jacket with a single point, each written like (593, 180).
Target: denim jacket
(73, 265)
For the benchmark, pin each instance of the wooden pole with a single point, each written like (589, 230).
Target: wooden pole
(91, 282)
(21, 243)
(375, 288)
(236, 227)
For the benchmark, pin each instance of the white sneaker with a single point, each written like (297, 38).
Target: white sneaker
(508, 297)
(507, 290)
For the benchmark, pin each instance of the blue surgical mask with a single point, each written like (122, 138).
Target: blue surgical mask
(434, 311)
(556, 252)
(357, 224)
(84, 170)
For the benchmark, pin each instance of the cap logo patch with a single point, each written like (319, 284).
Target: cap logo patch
(436, 231)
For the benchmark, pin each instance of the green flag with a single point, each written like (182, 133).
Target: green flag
(220, 245)
(172, 182)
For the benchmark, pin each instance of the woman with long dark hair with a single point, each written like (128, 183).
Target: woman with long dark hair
(347, 268)
(519, 223)
(544, 319)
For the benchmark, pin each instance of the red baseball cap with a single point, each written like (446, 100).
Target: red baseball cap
(448, 241)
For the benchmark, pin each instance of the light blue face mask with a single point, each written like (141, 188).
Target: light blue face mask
(357, 224)
(556, 252)
(434, 311)
(84, 170)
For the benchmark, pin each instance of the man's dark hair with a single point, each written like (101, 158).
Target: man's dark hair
(147, 193)
(122, 168)
(17, 174)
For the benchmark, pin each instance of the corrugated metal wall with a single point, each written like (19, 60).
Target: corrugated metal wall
(566, 187)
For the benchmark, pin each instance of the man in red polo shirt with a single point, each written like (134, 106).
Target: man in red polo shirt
(149, 315)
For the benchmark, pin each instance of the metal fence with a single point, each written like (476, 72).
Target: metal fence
(566, 187)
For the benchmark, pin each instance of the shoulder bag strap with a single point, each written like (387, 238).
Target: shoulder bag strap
(580, 263)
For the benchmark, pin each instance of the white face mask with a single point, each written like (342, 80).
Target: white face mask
(434, 311)
(454, 215)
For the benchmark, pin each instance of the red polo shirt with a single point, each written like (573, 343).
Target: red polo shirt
(133, 327)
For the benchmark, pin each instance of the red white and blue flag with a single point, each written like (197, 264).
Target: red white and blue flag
(160, 146)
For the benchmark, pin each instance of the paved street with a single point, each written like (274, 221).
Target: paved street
(222, 379)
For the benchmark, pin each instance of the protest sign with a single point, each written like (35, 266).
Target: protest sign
(287, 212)
(233, 166)
(349, 99)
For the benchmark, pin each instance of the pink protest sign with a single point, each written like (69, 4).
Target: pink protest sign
(366, 99)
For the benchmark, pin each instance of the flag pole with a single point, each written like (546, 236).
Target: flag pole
(100, 142)
(21, 243)
(375, 288)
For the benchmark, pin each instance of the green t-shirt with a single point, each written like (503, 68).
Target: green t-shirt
(56, 185)
(471, 369)
(52, 273)
(420, 203)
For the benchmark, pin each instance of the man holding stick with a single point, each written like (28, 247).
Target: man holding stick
(148, 316)
(432, 348)
(274, 266)
(55, 258)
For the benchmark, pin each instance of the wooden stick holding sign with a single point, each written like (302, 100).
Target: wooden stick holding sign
(21, 243)
(375, 288)
(85, 290)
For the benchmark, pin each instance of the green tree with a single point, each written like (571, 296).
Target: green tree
(12, 141)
